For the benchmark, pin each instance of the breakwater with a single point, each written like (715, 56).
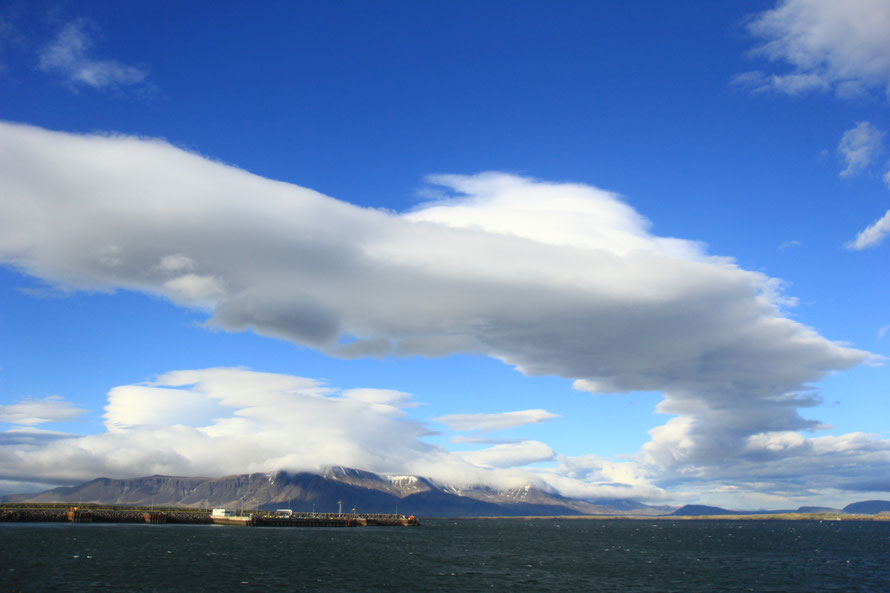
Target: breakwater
(95, 514)
(302, 522)
(333, 520)
(101, 515)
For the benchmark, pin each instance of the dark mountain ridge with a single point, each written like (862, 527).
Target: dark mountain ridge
(868, 507)
(368, 492)
(364, 491)
(698, 510)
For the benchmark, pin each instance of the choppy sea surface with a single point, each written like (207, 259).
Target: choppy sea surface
(614, 556)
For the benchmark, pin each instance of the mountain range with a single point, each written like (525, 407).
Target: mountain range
(367, 492)
(866, 507)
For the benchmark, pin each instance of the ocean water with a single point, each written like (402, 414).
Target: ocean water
(614, 556)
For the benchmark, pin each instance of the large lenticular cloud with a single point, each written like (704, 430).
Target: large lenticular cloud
(553, 278)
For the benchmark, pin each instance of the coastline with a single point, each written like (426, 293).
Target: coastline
(742, 517)
(94, 513)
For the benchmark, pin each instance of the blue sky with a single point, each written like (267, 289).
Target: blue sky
(476, 241)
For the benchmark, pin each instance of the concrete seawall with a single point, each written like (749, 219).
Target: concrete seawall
(33, 515)
(89, 514)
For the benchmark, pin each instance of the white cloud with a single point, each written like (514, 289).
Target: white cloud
(195, 288)
(775, 442)
(40, 411)
(554, 214)
(789, 84)
(176, 263)
(20, 435)
(492, 422)
(219, 421)
(828, 44)
(873, 235)
(859, 146)
(69, 56)
(148, 406)
(786, 465)
(381, 399)
(480, 440)
(553, 278)
(510, 454)
(592, 477)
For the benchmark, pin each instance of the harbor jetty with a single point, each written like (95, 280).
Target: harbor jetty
(24, 512)
(332, 520)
